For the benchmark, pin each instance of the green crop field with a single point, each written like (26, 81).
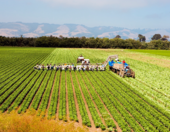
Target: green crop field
(98, 99)
(155, 52)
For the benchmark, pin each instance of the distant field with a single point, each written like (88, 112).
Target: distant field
(156, 52)
(99, 99)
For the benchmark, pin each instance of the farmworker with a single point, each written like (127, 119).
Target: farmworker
(43, 67)
(39, 68)
(61, 68)
(117, 60)
(66, 68)
(57, 68)
(74, 68)
(48, 67)
(79, 69)
(84, 68)
(36, 67)
(123, 63)
(52, 67)
(93, 68)
(126, 69)
(97, 68)
(70, 68)
(87, 68)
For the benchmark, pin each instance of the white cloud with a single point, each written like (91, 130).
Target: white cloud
(122, 4)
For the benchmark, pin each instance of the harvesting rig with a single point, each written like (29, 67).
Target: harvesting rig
(121, 69)
(84, 64)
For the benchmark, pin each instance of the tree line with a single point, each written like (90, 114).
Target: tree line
(157, 42)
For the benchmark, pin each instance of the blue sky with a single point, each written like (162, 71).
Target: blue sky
(118, 13)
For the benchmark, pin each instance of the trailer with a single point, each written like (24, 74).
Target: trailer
(121, 69)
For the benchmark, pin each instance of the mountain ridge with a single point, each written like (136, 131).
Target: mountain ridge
(16, 29)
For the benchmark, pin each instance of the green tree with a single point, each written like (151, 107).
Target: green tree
(118, 36)
(156, 37)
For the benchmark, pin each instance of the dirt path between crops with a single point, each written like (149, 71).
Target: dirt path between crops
(141, 98)
(37, 91)
(24, 96)
(44, 92)
(76, 103)
(93, 128)
(16, 89)
(67, 105)
(49, 101)
(153, 88)
(122, 105)
(58, 98)
(117, 126)
(94, 103)
(151, 95)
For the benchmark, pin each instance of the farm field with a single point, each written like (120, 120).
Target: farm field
(155, 52)
(100, 100)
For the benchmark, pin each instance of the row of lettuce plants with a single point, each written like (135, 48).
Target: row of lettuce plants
(151, 114)
(95, 116)
(46, 95)
(23, 94)
(9, 80)
(62, 101)
(39, 94)
(105, 115)
(71, 101)
(15, 68)
(140, 114)
(135, 91)
(81, 104)
(54, 99)
(117, 110)
(29, 98)
(158, 97)
(6, 93)
(108, 101)
(14, 93)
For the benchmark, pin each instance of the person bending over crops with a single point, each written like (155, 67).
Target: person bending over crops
(126, 69)
(48, 67)
(39, 68)
(74, 68)
(43, 67)
(36, 67)
(65, 69)
(61, 68)
(70, 68)
(57, 68)
(123, 63)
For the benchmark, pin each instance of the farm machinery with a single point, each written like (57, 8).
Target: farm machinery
(122, 69)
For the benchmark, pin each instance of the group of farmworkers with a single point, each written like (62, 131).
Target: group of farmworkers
(69, 67)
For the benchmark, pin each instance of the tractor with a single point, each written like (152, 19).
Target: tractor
(81, 59)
